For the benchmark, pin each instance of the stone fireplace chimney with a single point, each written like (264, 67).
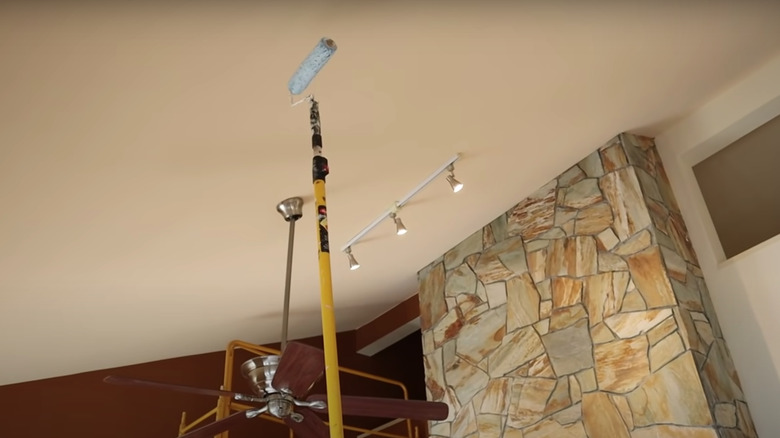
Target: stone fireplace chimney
(581, 312)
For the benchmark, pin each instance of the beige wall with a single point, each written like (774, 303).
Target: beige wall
(745, 289)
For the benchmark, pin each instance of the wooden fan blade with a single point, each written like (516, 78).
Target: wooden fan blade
(299, 369)
(387, 407)
(118, 380)
(220, 426)
(311, 426)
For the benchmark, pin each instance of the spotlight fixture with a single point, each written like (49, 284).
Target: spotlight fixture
(391, 212)
(454, 183)
(353, 263)
(400, 229)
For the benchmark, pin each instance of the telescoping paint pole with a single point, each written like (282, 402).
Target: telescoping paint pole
(319, 172)
(299, 81)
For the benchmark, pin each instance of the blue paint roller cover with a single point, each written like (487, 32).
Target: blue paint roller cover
(311, 66)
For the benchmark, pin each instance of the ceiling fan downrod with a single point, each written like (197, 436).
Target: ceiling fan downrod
(291, 210)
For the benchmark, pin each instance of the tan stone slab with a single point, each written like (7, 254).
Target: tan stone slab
(688, 331)
(603, 295)
(675, 265)
(448, 328)
(600, 333)
(431, 293)
(469, 245)
(564, 317)
(573, 256)
(601, 418)
(594, 219)
(587, 380)
(550, 428)
(452, 402)
(488, 239)
(542, 327)
(559, 399)
(569, 415)
(591, 165)
(665, 350)
(672, 395)
(662, 330)
(522, 302)
(726, 414)
(501, 261)
(621, 404)
(482, 335)
(667, 430)
(510, 432)
(545, 289)
(489, 426)
(745, 421)
(688, 296)
(434, 374)
(705, 332)
(621, 365)
(573, 175)
(536, 262)
(496, 397)
(566, 291)
(460, 280)
(466, 379)
(568, 228)
(608, 262)
(582, 194)
(630, 324)
(539, 367)
(534, 215)
(606, 240)
(529, 397)
(516, 349)
(574, 388)
(719, 374)
(465, 422)
(441, 429)
(569, 349)
(633, 301)
(634, 244)
(622, 192)
(613, 157)
(545, 308)
(648, 274)
(496, 294)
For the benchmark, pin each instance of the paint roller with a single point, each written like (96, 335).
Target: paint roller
(312, 65)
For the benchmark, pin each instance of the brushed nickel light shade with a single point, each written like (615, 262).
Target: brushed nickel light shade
(400, 229)
(454, 183)
(353, 263)
(291, 208)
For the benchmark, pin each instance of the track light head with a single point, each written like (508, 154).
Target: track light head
(400, 229)
(454, 183)
(353, 263)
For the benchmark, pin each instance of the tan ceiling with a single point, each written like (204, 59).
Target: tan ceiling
(143, 149)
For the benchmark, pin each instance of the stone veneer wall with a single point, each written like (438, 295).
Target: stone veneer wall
(581, 312)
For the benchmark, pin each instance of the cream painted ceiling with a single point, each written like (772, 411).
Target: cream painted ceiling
(143, 148)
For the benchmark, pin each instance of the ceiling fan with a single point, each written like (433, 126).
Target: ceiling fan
(281, 383)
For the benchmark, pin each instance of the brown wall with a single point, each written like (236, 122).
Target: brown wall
(739, 185)
(82, 406)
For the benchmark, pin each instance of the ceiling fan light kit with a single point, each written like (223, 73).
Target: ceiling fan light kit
(282, 382)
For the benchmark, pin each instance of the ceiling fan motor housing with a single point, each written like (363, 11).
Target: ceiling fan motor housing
(259, 372)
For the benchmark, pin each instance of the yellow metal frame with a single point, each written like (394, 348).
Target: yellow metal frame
(226, 405)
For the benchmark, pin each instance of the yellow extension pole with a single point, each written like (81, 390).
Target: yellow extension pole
(319, 172)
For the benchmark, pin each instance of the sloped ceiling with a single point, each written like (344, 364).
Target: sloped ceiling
(143, 148)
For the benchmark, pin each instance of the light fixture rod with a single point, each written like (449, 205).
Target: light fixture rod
(400, 203)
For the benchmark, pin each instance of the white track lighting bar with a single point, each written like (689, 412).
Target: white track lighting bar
(398, 204)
